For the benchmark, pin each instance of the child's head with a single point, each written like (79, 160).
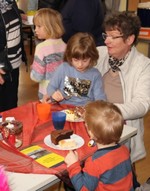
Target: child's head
(104, 122)
(81, 46)
(51, 20)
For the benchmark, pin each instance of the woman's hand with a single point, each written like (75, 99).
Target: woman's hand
(71, 158)
(24, 17)
(79, 111)
(1, 77)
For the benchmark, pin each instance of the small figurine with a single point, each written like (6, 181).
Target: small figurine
(91, 143)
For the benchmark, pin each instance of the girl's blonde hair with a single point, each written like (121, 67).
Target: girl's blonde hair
(105, 121)
(51, 20)
(81, 46)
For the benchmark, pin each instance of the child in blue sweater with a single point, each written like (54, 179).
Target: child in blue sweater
(76, 81)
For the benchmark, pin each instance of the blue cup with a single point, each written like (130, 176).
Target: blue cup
(58, 119)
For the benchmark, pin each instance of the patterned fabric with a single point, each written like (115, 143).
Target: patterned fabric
(115, 63)
(13, 36)
(5, 5)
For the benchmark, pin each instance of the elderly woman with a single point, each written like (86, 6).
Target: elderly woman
(126, 74)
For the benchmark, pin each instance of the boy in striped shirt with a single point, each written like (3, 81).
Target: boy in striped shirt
(109, 168)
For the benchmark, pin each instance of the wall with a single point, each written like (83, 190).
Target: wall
(22, 4)
(132, 6)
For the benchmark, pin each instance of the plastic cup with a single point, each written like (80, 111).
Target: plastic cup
(30, 15)
(43, 111)
(30, 19)
(58, 119)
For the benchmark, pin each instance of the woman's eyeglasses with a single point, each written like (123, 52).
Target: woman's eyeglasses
(104, 35)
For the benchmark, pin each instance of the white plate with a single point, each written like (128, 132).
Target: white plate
(79, 142)
(79, 119)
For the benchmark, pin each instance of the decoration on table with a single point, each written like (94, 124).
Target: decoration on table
(91, 143)
(11, 131)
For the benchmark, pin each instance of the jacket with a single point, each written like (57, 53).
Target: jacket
(3, 32)
(54, 4)
(83, 16)
(135, 81)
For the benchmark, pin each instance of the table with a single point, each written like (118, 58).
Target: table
(145, 40)
(32, 176)
(31, 182)
(39, 182)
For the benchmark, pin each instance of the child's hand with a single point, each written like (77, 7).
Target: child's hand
(71, 158)
(57, 95)
(46, 99)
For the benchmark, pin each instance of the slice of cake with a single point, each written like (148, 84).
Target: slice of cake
(70, 115)
(67, 143)
(58, 135)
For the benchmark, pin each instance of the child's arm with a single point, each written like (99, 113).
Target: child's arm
(56, 85)
(83, 179)
(98, 90)
(55, 97)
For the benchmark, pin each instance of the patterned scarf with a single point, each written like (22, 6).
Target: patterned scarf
(115, 63)
(5, 5)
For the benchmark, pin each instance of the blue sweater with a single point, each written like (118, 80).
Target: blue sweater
(84, 86)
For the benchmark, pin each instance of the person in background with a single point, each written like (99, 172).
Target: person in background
(38, 4)
(76, 81)
(49, 53)
(11, 45)
(54, 4)
(32, 5)
(109, 168)
(126, 75)
(111, 5)
(83, 16)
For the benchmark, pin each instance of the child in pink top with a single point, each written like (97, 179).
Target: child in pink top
(49, 53)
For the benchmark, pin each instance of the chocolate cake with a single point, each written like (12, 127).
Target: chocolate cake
(58, 135)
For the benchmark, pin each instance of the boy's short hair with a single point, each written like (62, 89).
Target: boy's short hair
(105, 121)
(81, 46)
(51, 20)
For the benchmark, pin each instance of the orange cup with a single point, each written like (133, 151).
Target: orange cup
(43, 111)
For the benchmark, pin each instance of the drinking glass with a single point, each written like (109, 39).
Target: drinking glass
(58, 119)
(43, 111)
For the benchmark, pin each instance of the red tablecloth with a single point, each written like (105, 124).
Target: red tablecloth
(34, 132)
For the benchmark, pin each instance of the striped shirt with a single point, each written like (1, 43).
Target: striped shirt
(13, 37)
(108, 169)
(48, 56)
